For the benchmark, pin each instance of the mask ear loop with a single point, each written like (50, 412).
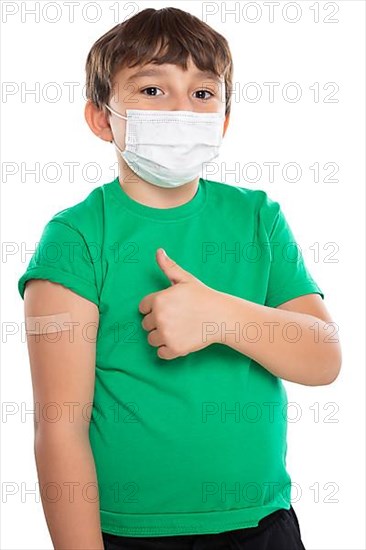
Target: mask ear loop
(115, 112)
(120, 116)
(114, 143)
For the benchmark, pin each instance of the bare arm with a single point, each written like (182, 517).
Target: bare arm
(63, 375)
(296, 341)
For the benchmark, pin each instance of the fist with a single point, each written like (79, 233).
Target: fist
(182, 318)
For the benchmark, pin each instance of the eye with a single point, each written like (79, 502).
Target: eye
(204, 92)
(151, 88)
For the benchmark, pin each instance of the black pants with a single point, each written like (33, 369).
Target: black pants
(277, 531)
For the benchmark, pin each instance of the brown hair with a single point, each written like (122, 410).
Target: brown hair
(167, 35)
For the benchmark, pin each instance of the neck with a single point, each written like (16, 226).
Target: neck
(151, 195)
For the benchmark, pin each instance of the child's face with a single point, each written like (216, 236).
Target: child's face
(168, 87)
(164, 87)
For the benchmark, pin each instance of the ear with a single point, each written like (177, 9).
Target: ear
(98, 121)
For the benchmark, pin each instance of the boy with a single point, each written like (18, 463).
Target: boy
(187, 437)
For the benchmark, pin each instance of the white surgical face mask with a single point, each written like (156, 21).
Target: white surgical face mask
(168, 148)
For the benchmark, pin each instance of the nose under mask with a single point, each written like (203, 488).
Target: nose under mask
(168, 148)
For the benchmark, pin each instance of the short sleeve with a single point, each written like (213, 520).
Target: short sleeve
(289, 277)
(63, 256)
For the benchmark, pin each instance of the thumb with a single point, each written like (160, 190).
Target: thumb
(172, 270)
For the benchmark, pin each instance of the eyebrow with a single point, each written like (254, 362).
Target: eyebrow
(161, 71)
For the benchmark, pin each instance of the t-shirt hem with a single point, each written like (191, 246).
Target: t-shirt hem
(68, 280)
(198, 523)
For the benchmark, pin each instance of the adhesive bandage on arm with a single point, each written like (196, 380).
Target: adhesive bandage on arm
(45, 324)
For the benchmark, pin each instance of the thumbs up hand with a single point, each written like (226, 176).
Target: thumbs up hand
(182, 318)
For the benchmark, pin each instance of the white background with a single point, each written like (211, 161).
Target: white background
(326, 444)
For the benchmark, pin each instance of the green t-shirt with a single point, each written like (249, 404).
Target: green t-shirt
(196, 444)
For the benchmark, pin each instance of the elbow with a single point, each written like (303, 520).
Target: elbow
(59, 435)
(332, 375)
(333, 369)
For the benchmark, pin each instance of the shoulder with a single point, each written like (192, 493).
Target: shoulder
(255, 201)
(85, 217)
(237, 192)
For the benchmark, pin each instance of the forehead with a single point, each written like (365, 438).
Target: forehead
(165, 70)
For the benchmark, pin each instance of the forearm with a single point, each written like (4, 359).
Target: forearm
(294, 346)
(68, 483)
